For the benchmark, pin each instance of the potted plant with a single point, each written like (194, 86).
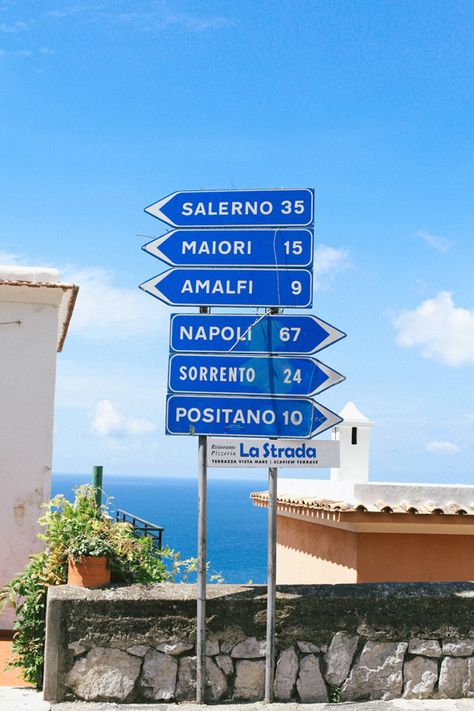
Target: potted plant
(81, 534)
(88, 562)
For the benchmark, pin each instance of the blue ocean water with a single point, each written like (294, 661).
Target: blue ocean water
(236, 530)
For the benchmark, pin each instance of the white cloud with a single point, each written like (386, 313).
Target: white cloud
(163, 17)
(108, 422)
(440, 244)
(13, 27)
(442, 447)
(443, 331)
(104, 311)
(10, 258)
(329, 261)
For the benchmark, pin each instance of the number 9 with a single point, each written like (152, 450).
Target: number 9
(296, 287)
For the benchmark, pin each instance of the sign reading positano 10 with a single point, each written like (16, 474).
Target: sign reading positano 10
(244, 374)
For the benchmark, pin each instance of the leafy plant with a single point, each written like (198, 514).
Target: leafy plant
(73, 529)
(335, 695)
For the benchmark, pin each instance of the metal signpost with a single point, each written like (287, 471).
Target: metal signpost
(249, 374)
(238, 333)
(245, 378)
(236, 208)
(188, 286)
(250, 416)
(234, 248)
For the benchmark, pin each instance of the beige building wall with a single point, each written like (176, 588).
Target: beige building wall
(33, 321)
(310, 553)
(419, 557)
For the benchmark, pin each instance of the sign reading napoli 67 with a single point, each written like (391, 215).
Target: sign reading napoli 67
(278, 207)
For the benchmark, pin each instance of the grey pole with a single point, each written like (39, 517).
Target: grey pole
(202, 567)
(271, 584)
(202, 570)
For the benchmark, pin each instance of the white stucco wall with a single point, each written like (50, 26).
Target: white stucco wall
(27, 383)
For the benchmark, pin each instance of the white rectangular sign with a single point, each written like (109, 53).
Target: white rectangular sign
(223, 452)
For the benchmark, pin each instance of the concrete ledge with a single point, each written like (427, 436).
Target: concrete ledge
(143, 621)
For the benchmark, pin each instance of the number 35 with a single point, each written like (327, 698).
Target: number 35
(287, 207)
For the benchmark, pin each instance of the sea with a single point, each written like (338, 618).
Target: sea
(236, 529)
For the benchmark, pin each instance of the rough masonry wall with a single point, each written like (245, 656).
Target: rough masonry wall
(341, 642)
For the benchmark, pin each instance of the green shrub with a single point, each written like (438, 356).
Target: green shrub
(74, 529)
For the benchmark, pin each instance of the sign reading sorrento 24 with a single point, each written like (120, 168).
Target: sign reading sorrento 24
(236, 208)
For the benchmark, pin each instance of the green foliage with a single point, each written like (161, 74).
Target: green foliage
(335, 695)
(74, 529)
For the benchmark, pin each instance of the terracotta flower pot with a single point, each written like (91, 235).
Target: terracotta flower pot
(88, 572)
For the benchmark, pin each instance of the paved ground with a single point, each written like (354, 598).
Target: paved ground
(21, 699)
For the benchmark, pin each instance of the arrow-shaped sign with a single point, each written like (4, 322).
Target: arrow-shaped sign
(249, 375)
(234, 248)
(278, 207)
(247, 416)
(291, 288)
(242, 333)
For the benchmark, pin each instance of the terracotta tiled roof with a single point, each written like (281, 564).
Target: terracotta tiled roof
(260, 498)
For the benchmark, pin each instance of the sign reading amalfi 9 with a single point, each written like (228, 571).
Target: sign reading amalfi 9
(245, 375)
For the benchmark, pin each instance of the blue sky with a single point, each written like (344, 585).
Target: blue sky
(107, 106)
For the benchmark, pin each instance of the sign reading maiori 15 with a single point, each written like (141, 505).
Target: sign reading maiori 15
(226, 452)
(275, 207)
(234, 248)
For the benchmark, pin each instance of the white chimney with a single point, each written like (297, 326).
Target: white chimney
(353, 435)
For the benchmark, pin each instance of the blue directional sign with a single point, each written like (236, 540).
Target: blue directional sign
(247, 416)
(249, 375)
(291, 288)
(277, 207)
(234, 248)
(236, 333)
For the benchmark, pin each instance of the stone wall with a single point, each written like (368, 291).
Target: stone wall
(341, 642)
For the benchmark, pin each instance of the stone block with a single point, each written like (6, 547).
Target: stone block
(186, 684)
(216, 681)
(468, 687)
(458, 648)
(310, 684)
(339, 657)
(285, 675)
(174, 648)
(420, 676)
(308, 647)
(453, 678)
(378, 674)
(250, 648)
(224, 662)
(250, 680)
(104, 675)
(139, 650)
(212, 648)
(424, 647)
(158, 681)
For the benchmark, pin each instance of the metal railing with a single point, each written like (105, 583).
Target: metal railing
(141, 527)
